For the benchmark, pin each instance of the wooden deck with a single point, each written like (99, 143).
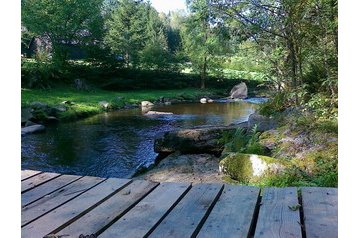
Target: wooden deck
(55, 205)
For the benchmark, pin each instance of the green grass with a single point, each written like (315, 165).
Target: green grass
(86, 102)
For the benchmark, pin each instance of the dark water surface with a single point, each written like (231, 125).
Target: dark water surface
(114, 144)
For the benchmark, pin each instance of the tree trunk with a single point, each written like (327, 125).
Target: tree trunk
(293, 61)
(203, 74)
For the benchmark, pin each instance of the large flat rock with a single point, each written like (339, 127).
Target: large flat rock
(194, 140)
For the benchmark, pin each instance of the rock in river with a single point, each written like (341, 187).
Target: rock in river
(158, 113)
(194, 140)
(146, 104)
(32, 129)
(239, 91)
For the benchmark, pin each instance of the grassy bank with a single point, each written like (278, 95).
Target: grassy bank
(305, 144)
(87, 102)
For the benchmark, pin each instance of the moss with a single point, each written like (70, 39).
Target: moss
(238, 166)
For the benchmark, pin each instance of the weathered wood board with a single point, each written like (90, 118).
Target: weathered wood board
(148, 212)
(70, 211)
(186, 217)
(276, 219)
(233, 213)
(109, 210)
(320, 210)
(25, 174)
(37, 180)
(46, 188)
(57, 198)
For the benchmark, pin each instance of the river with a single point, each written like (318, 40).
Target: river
(115, 144)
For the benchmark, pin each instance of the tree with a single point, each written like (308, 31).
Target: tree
(203, 42)
(282, 24)
(126, 30)
(63, 22)
(155, 53)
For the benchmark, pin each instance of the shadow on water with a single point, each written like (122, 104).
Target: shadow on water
(115, 144)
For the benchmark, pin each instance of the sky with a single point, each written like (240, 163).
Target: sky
(168, 5)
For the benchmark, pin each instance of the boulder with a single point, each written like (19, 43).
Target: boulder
(167, 103)
(158, 113)
(32, 129)
(210, 100)
(104, 104)
(80, 84)
(129, 105)
(26, 115)
(39, 105)
(189, 168)
(52, 119)
(30, 123)
(249, 168)
(263, 123)
(239, 91)
(60, 108)
(146, 104)
(195, 140)
(67, 102)
(203, 100)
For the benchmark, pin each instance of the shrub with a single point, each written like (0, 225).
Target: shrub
(277, 104)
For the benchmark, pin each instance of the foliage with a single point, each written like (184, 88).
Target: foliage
(243, 142)
(273, 106)
(323, 107)
(126, 30)
(64, 22)
(203, 43)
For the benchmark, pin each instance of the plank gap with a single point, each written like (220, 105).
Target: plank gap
(29, 203)
(33, 173)
(302, 215)
(38, 184)
(167, 212)
(89, 209)
(124, 212)
(55, 207)
(255, 216)
(207, 213)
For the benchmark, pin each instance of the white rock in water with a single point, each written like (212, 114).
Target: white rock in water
(210, 100)
(239, 91)
(146, 104)
(32, 129)
(158, 113)
(104, 104)
(203, 100)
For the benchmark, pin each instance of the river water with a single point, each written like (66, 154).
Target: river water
(115, 144)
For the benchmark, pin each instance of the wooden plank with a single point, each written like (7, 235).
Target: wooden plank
(37, 180)
(139, 221)
(233, 213)
(57, 198)
(108, 211)
(72, 210)
(25, 174)
(45, 189)
(320, 209)
(186, 217)
(276, 219)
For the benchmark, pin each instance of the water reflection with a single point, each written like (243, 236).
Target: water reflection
(114, 144)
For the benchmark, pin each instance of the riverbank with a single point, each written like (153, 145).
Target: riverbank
(299, 150)
(68, 104)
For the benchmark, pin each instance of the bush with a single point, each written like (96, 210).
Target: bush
(244, 142)
(275, 105)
